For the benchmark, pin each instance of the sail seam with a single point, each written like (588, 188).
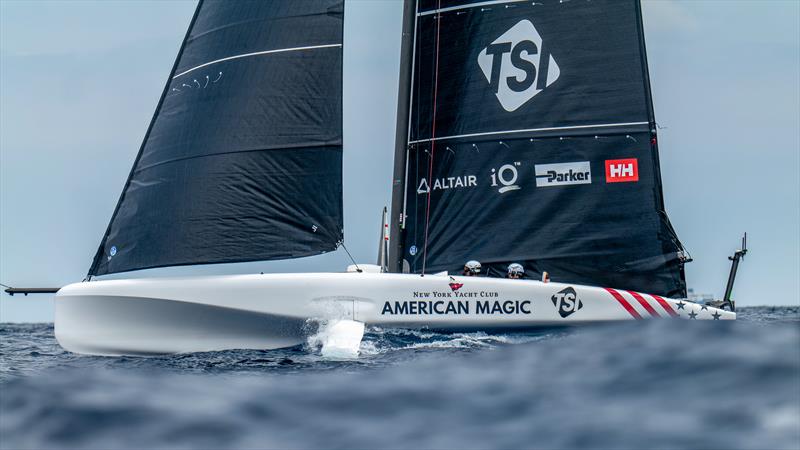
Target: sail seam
(528, 130)
(265, 52)
(469, 5)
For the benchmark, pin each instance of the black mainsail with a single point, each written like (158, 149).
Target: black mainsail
(243, 157)
(531, 138)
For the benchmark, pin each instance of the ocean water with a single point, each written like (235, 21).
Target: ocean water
(651, 384)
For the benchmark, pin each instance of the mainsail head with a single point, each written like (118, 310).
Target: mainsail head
(531, 139)
(243, 158)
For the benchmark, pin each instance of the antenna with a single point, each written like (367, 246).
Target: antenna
(737, 256)
(383, 244)
(744, 244)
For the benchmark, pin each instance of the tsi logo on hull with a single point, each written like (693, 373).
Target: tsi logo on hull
(622, 170)
(563, 174)
(518, 66)
(566, 302)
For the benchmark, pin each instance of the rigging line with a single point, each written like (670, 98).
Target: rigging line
(433, 140)
(7, 287)
(351, 256)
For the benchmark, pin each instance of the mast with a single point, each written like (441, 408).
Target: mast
(401, 137)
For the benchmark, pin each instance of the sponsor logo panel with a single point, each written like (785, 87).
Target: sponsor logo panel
(563, 174)
(566, 302)
(456, 302)
(518, 65)
(512, 176)
(507, 175)
(622, 170)
(465, 181)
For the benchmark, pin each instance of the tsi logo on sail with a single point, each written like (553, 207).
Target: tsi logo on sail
(518, 66)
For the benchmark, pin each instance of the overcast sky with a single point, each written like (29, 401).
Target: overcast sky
(79, 81)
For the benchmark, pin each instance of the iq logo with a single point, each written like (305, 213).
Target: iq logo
(518, 66)
(507, 176)
(622, 170)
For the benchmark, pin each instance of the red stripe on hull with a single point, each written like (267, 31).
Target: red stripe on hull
(665, 304)
(644, 303)
(624, 303)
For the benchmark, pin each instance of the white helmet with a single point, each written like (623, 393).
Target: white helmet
(516, 269)
(472, 266)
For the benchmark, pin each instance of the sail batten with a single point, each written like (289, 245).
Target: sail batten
(243, 158)
(545, 152)
(614, 127)
(263, 52)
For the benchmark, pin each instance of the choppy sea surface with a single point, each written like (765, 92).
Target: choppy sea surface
(650, 384)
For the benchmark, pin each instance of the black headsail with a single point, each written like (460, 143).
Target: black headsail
(531, 139)
(243, 158)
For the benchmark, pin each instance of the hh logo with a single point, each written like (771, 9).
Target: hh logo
(566, 302)
(518, 65)
(622, 170)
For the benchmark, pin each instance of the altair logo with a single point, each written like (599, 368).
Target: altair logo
(464, 181)
(518, 66)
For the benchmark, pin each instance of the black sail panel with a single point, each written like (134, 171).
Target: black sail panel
(532, 140)
(529, 66)
(243, 158)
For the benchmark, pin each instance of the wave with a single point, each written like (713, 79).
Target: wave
(660, 384)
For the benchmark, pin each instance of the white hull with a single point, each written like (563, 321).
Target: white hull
(158, 315)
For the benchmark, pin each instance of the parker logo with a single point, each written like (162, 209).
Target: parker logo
(566, 302)
(622, 170)
(518, 65)
(563, 174)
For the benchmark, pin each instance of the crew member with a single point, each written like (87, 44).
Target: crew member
(515, 271)
(472, 268)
